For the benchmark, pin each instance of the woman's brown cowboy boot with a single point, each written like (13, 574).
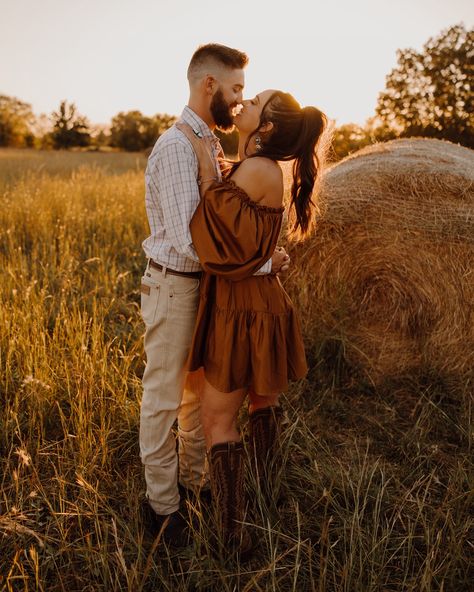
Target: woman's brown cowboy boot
(226, 471)
(264, 436)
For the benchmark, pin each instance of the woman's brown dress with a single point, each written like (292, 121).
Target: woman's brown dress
(247, 333)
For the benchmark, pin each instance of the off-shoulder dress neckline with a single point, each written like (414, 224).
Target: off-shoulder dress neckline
(244, 196)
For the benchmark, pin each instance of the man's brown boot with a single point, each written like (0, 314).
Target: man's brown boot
(226, 471)
(264, 437)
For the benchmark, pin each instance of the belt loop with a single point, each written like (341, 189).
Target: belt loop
(164, 269)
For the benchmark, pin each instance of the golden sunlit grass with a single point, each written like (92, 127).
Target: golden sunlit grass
(14, 163)
(376, 486)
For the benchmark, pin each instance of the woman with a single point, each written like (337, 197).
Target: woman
(247, 337)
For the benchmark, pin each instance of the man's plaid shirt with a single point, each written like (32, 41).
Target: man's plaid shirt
(172, 196)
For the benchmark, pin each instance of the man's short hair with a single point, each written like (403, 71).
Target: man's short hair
(213, 53)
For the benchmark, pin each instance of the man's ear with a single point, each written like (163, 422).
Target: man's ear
(209, 84)
(266, 127)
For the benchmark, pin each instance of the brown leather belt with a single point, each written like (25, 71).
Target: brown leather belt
(189, 274)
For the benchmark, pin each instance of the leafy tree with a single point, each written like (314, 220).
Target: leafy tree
(16, 119)
(348, 138)
(162, 122)
(69, 128)
(430, 92)
(133, 131)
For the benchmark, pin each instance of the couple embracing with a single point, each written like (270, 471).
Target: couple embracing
(219, 325)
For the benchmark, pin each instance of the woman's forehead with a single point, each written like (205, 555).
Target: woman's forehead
(264, 95)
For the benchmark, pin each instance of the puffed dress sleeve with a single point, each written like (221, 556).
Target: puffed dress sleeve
(232, 234)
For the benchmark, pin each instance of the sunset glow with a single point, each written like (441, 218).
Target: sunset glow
(113, 56)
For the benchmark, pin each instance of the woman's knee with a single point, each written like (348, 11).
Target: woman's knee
(212, 419)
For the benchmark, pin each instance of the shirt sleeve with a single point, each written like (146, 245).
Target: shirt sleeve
(265, 269)
(175, 174)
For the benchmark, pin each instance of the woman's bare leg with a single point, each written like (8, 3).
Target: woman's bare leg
(219, 413)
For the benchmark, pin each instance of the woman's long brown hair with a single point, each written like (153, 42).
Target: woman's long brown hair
(294, 136)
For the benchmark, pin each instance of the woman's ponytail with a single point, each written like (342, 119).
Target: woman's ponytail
(306, 167)
(295, 136)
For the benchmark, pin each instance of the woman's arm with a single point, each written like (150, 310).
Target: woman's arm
(204, 151)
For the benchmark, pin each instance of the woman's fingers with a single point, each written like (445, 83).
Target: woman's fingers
(209, 143)
(202, 145)
(203, 148)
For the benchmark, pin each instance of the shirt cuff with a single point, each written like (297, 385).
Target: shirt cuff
(265, 269)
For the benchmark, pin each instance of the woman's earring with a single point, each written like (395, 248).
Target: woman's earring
(258, 143)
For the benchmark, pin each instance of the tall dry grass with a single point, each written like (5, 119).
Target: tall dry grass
(14, 163)
(376, 487)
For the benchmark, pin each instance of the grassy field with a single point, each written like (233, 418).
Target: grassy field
(377, 486)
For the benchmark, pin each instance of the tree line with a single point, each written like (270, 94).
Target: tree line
(67, 128)
(428, 94)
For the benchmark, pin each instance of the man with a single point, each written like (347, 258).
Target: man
(170, 288)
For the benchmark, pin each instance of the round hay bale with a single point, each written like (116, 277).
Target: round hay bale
(385, 284)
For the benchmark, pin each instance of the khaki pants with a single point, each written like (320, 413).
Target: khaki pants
(169, 307)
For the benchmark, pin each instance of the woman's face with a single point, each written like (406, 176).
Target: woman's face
(249, 117)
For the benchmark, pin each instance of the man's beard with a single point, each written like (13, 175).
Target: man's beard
(220, 111)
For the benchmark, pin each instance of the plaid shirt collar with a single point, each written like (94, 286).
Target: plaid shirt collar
(199, 127)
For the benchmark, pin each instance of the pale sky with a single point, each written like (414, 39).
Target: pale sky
(117, 55)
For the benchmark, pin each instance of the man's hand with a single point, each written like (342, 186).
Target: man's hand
(280, 260)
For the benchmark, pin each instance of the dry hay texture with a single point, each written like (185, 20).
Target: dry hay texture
(386, 282)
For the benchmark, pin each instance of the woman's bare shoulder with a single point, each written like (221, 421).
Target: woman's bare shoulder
(262, 179)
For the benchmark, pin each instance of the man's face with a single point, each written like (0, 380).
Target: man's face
(226, 97)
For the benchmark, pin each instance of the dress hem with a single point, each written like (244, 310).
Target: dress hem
(276, 391)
